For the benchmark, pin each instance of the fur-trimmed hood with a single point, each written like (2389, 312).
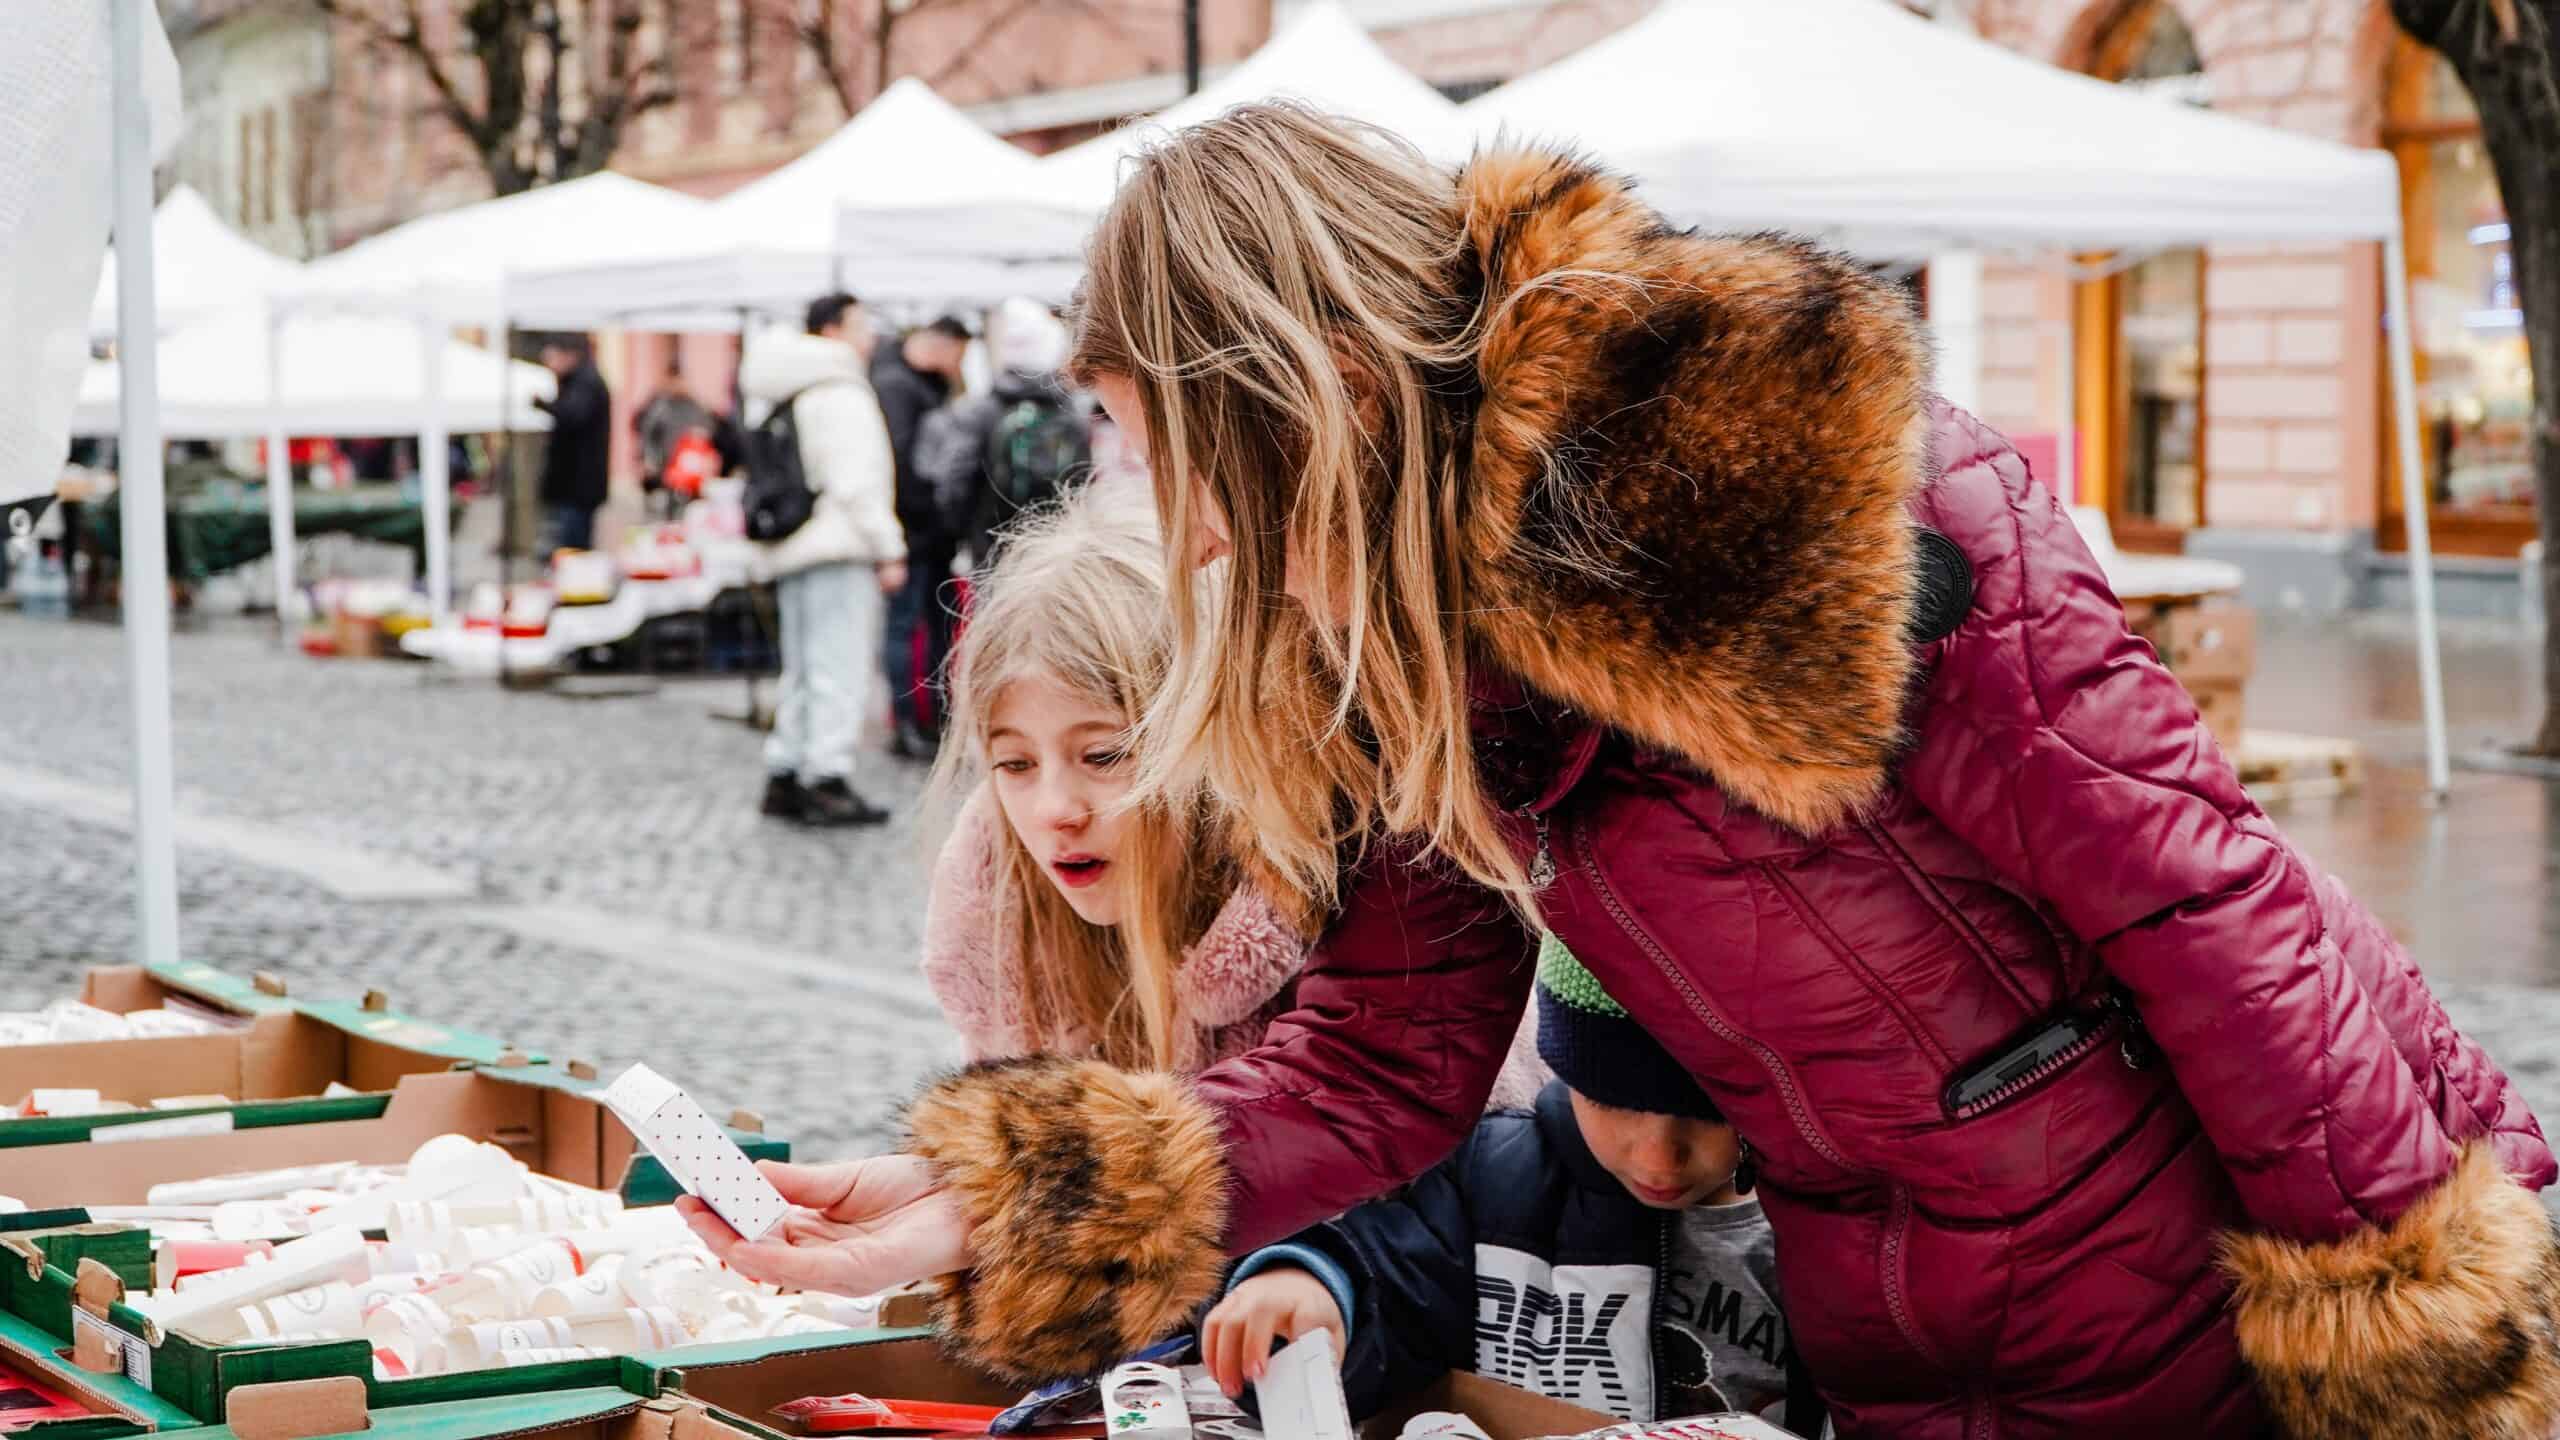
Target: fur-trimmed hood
(1686, 510)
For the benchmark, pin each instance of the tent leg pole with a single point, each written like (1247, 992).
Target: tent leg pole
(2413, 503)
(2066, 429)
(141, 497)
(280, 528)
(435, 474)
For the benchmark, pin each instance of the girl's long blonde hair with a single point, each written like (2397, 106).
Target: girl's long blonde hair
(1288, 292)
(1079, 599)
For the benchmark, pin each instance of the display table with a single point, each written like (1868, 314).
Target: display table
(224, 526)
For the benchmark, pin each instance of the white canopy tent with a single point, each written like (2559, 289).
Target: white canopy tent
(1953, 143)
(1322, 57)
(336, 375)
(202, 266)
(449, 269)
(770, 246)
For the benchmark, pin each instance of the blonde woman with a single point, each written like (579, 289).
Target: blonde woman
(1583, 568)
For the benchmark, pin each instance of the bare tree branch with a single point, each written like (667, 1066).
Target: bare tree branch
(969, 52)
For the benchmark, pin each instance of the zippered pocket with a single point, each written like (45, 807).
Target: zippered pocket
(2040, 1051)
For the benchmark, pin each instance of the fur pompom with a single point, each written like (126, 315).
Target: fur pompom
(1100, 1196)
(2443, 1325)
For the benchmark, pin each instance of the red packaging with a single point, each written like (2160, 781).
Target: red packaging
(182, 1258)
(837, 1414)
(25, 1400)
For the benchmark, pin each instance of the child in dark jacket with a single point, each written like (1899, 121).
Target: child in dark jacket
(1601, 1249)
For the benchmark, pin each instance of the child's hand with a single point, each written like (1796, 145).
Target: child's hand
(1283, 1303)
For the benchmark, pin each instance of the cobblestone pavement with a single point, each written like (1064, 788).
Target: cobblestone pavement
(587, 830)
(620, 899)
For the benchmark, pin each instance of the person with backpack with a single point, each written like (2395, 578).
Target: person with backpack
(820, 507)
(1020, 444)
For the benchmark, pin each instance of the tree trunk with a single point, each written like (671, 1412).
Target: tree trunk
(2504, 50)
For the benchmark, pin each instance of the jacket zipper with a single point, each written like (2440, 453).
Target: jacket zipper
(1661, 1307)
(1542, 866)
(1779, 1075)
(1889, 1266)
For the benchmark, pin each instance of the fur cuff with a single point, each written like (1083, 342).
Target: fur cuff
(2444, 1325)
(1101, 1202)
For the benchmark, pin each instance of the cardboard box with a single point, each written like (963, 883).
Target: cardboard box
(2205, 642)
(553, 1127)
(742, 1383)
(123, 1407)
(545, 1119)
(2222, 703)
(284, 1050)
(358, 636)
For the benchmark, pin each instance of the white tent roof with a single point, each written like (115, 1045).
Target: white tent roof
(1322, 57)
(343, 375)
(1857, 119)
(201, 265)
(907, 147)
(770, 246)
(458, 260)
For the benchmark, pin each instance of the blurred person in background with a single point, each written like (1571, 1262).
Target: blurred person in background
(573, 466)
(1019, 445)
(831, 574)
(913, 377)
(662, 425)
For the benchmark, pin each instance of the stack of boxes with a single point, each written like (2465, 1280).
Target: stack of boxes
(288, 1082)
(2211, 646)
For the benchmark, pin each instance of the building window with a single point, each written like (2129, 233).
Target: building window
(2140, 358)
(2475, 381)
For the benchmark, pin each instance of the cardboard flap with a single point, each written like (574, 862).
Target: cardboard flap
(28, 1251)
(268, 982)
(96, 1287)
(745, 1119)
(298, 1409)
(376, 1003)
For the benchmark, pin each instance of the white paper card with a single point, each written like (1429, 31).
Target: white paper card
(1301, 1391)
(695, 1150)
(132, 1355)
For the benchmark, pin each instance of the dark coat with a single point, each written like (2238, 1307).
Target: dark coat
(1835, 861)
(575, 464)
(906, 396)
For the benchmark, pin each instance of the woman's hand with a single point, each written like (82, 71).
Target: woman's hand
(862, 1226)
(1282, 1303)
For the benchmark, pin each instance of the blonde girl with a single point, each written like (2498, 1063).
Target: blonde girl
(1064, 919)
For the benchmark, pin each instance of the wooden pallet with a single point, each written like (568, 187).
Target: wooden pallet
(2278, 766)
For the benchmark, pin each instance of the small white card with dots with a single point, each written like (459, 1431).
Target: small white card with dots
(695, 1150)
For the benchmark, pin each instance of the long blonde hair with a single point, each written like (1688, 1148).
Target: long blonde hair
(1288, 293)
(1079, 599)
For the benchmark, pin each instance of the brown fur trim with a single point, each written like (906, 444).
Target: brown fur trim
(1100, 1197)
(1730, 428)
(2443, 1325)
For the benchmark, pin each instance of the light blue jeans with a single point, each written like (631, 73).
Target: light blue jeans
(830, 618)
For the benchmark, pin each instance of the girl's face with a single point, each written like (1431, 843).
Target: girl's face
(1059, 765)
(1210, 537)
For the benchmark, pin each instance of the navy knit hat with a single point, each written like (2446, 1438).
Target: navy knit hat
(1596, 1047)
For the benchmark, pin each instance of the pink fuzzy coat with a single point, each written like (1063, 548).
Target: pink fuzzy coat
(1233, 980)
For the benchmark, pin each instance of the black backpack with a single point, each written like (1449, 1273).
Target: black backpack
(779, 500)
(1039, 449)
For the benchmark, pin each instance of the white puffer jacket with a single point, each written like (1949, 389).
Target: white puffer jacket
(844, 446)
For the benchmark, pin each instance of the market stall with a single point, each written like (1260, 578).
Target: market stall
(1991, 150)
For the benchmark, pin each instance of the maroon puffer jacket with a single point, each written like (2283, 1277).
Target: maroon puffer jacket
(1846, 774)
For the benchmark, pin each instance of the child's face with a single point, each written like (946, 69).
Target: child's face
(1058, 760)
(1666, 1161)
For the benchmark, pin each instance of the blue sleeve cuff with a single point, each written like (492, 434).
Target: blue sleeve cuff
(1308, 1258)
